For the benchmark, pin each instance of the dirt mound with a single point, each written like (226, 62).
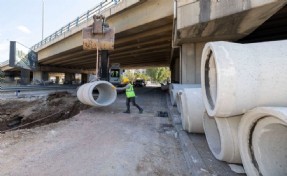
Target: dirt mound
(26, 113)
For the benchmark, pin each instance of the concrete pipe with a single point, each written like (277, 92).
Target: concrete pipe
(177, 87)
(107, 94)
(192, 110)
(239, 77)
(263, 141)
(222, 137)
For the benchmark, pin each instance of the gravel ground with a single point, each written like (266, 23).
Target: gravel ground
(101, 141)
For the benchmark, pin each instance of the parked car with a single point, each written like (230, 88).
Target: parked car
(140, 83)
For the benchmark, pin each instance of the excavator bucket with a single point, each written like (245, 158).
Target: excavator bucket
(99, 36)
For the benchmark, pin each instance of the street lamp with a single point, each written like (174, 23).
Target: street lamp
(43, 19)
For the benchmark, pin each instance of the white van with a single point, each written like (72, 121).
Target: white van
(115, 74)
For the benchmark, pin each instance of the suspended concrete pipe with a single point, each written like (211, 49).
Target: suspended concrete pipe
(239, 77)
(107, 94)
(192, 110)
(263, 141)
(176, 87)
(222, 137)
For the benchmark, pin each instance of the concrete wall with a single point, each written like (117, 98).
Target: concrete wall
(209, 20)
(190, 62)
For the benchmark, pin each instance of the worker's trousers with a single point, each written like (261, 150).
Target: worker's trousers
(133, 100)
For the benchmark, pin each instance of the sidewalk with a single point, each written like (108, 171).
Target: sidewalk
(198, 156)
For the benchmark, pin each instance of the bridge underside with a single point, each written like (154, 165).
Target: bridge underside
(143, 46)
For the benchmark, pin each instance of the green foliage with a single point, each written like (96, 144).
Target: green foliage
(142, 76)
(159, 74)
(128, 74)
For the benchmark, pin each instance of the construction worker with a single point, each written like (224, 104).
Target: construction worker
(130, 94)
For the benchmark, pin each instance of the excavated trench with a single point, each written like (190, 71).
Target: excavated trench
(27, 113)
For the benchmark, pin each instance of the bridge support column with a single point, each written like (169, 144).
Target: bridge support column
(190, 63)
(40, 75)
(25, 76)
(69, 78)
(175, 70)
(84, 78)
(9, 77)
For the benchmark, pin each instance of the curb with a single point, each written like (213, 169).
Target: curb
(194, 161)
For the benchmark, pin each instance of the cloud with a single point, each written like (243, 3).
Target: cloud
(23, 29)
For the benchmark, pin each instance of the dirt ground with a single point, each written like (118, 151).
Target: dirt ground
(22, 111)
(98, 141)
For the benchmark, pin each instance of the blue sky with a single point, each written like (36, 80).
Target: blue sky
(21, 20)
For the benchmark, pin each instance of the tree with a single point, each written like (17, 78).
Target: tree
(128, 74)
(159, 74)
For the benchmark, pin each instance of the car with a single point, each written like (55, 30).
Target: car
(140, 83)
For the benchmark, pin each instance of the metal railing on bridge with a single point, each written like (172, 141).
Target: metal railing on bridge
(79, 20)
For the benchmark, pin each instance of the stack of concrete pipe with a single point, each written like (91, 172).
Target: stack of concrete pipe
(107, 94)
(192, 109)
(174, 88)
(244, 89)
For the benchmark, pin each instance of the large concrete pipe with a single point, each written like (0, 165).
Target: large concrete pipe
(238, 77)
(192, 110)
(107, 93)
(176, 87)
(221, 135)
(263, 141)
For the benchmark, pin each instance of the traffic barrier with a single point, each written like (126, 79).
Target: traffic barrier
(106, 93)
(239, 77)
(192, 110)
(263, 141)
(222, 137)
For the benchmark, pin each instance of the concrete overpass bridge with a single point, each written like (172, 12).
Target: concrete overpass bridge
(162, 33)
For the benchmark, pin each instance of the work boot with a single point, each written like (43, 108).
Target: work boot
(127, 111)
(141, 111)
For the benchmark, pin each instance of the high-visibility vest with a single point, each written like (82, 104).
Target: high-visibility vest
(130, 91)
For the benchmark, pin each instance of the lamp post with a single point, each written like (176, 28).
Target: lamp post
(43, 19)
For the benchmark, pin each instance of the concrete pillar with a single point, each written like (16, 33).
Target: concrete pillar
(69, 78)
(40, 75)
(175, 70)
(25, 76)
(190, 63)
(57, 80)
(9, 77)
(84, 78)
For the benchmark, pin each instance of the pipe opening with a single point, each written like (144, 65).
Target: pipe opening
(104, 95)
(210, 79)
(270, 146)
(212, 135)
